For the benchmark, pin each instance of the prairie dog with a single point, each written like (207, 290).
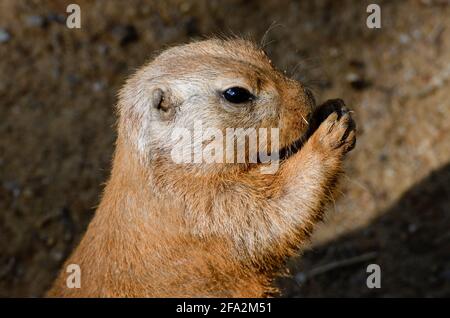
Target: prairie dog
(196, 229)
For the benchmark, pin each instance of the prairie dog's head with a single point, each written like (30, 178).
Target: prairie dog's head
(213, 85)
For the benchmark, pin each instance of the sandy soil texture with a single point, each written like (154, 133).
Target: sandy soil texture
(58, 87)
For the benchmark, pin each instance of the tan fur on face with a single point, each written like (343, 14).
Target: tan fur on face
(179, 230)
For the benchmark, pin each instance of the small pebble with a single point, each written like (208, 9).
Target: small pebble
(417, 34)
(412, 228)
(35, 21)
(57, 255)
(351, 77)
(334, 52)
(4, 36)
(98, 86)
(73, 79)
(13, 187)
(102, 49)
(357, 82)
(404, 38)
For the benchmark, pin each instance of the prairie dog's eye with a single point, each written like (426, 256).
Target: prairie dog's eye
(237, 95)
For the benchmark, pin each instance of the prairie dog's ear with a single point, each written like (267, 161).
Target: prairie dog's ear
(163, 103)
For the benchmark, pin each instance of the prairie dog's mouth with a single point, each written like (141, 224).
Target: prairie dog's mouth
(319, 114)
(295, 146)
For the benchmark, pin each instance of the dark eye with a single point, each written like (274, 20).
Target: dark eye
(238, 95)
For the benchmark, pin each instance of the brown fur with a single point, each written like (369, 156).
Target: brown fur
(183, 230)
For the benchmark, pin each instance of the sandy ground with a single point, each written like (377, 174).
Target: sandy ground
(58, 88)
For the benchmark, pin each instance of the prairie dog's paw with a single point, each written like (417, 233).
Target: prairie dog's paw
(337, 133)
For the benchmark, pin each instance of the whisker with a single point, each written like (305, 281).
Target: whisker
(304, 119)
(273, 25)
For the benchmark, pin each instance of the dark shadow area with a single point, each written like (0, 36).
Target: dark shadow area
(410, 242)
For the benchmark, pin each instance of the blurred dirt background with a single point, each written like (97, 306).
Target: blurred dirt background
(58, 87)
